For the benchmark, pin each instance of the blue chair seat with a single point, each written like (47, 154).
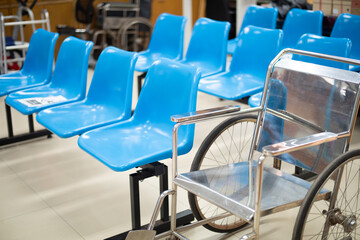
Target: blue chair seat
(246, 75)
(347, 26)
(258, 16)
(166, 41)
(207, 46)
(310, 42)
(34, 97)
(37, 67)
(232, 45)
(128, 144)
(15, 81)
(255, 100)
(147, 58)
(68, 83)
(75, 118)
(108, 100)
(231, 86)
(170, 88)
(206, 68)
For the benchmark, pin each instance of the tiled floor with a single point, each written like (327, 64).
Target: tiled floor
(50, 189)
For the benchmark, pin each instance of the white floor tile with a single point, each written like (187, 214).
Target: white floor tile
(41, 224)
(16, 197)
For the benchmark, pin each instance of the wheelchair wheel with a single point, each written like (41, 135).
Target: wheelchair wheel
(134, 35)
(336, 216)
(228, 143)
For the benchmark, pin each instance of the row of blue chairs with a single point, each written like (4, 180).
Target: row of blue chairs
(299, 22)
(117, 137)
(102, 104)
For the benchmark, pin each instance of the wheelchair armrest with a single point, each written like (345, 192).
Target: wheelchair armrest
(301, 143)
(204, 114)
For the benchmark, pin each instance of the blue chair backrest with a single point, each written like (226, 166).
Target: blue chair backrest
(299, 22)
(168, 35)
(208, 42)
(260, 16)
(347, 26)
(255, 49)
(40, 55)
(113, 79)
(327, 45)
(71, 67)
(170, 88)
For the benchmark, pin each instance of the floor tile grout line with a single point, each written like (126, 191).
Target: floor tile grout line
(37, 194)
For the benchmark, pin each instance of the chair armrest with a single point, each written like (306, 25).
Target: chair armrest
(300, 143)
(203, 114)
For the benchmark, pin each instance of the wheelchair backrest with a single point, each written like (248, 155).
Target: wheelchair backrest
(304, 99)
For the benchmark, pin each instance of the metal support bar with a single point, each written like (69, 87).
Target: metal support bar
(31, 123)
(11, 139)
(162, 225)
(149, 170)
(9, 121)
(140, 78)
(24, 137)
(182, 218)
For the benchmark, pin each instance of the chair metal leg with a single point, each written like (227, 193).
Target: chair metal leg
(31, 123)
(162, 225)
(9, 121)
(21, 137)
(140, 78)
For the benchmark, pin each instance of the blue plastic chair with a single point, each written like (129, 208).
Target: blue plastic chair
(68, 83)
(37, 68)
(333, 46)
(166, 41)
(108, 99)
(299, 22)
(254, 51)
(347, 26)
(256, 16)
(207, 47)
(170, 88)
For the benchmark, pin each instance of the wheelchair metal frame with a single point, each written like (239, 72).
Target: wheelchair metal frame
(268, 151)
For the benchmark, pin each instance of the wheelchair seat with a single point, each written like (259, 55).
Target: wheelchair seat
(37, 69)
(108, 99)
(169, 88)
(68, 83)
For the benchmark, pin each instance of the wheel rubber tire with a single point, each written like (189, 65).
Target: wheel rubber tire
(321, 180)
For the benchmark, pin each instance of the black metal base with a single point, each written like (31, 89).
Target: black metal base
(11, 139)
(140, 78)
(182, 218)
(160, 170)
(24, 137)
(304, 174)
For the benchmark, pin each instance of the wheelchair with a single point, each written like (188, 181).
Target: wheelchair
(306, 119)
